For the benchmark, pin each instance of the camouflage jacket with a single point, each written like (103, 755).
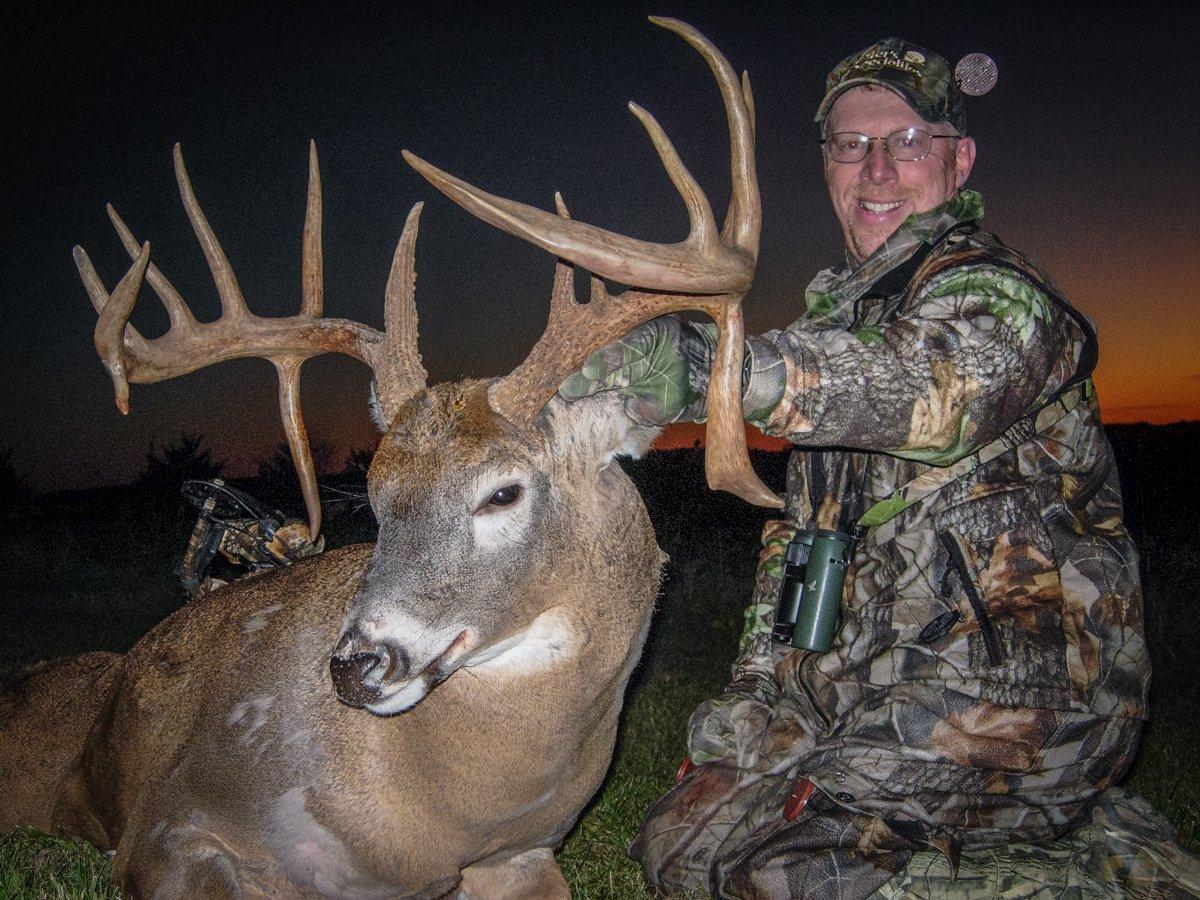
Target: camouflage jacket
(1014, 583)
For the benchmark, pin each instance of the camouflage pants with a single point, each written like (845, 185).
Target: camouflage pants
(1124, 850)
(797, 798)
(724, 830)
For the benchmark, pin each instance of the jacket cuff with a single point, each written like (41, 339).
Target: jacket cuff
(763, 380)
(798, 414)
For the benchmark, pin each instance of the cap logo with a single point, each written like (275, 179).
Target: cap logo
(888, 58)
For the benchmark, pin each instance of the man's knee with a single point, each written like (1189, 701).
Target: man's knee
(734, 834)
(826, 852)
(684, 828)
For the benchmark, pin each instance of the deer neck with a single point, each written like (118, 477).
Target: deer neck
(545, 703)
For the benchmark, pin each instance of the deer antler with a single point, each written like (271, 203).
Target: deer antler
(708, 271)
(286, 342)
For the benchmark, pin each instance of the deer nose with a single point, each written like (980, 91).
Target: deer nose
(349, 675)
(360, 668)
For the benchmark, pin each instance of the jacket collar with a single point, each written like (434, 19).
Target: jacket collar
(831, 295)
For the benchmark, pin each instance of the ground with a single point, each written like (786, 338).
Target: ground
(93, 570)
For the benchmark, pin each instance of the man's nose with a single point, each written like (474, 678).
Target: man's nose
(879, 166)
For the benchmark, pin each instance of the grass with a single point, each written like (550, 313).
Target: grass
(119, 583)
(1167, 771)
(43, 867)
(651, 747)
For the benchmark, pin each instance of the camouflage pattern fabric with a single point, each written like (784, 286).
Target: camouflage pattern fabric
(652, 368)
(661, 368)
(989, 677)
(1126, 849)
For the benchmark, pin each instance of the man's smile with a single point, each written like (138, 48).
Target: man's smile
(879, 206)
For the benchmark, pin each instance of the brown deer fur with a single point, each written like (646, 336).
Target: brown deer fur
(216, 760)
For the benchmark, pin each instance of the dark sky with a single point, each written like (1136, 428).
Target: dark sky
(1087, 157)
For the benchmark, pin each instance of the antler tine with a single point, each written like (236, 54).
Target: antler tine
(562, 295)
(399, 372)
(288, 369)
(110, 325)
(563, 291)
(748, 98)
(177, 310)
(744, 218)
(233, 303)
(703, 232)
(312, 267)
(98, 294)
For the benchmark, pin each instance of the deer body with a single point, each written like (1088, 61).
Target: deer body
(220, 755)
(433, 712)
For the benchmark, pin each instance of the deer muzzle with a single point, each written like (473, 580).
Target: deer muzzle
(361, 669)
(381, 676)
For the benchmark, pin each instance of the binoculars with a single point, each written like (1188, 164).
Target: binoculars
(810, 598)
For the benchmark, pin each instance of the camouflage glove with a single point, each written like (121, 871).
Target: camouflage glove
(661, 369)
(733, 725)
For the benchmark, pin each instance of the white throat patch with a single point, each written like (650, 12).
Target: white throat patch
(551, 639)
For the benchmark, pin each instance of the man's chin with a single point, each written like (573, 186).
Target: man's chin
(864, 242)
(868, 230)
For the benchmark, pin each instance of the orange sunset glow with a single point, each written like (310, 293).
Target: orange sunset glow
(1145, 302)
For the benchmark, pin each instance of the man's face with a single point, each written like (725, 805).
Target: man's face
(872, 197)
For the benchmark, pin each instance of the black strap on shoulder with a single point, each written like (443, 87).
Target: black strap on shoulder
(895, 280)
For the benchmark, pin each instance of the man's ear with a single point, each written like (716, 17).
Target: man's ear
(964, 160)
(596, 430)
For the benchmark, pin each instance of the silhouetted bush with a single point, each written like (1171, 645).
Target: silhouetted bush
(177, 461)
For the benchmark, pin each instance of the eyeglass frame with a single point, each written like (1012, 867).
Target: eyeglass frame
(870, 140)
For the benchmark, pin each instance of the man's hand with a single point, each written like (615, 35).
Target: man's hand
(661, 368)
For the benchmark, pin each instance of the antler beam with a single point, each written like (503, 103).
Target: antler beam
(707, 271)
(287, 342)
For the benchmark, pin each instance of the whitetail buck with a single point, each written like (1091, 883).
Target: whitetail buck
(250, 744)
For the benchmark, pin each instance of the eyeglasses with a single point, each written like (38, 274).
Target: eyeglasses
(905, 145)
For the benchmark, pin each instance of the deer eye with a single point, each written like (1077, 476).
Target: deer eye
(505, 496)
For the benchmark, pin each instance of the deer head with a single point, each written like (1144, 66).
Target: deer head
(499, 509)
(491, 541)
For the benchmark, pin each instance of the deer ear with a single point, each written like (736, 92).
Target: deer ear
(596, 429)
(376, 408)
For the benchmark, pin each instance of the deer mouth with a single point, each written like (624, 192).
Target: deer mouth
(398, 691)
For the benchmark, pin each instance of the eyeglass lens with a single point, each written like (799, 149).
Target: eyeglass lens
(906, 145)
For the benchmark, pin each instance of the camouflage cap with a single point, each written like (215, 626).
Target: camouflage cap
(923, 79)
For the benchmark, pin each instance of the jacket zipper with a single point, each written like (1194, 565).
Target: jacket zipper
(987, 630)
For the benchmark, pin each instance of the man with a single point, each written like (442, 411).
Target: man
(988, 676)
